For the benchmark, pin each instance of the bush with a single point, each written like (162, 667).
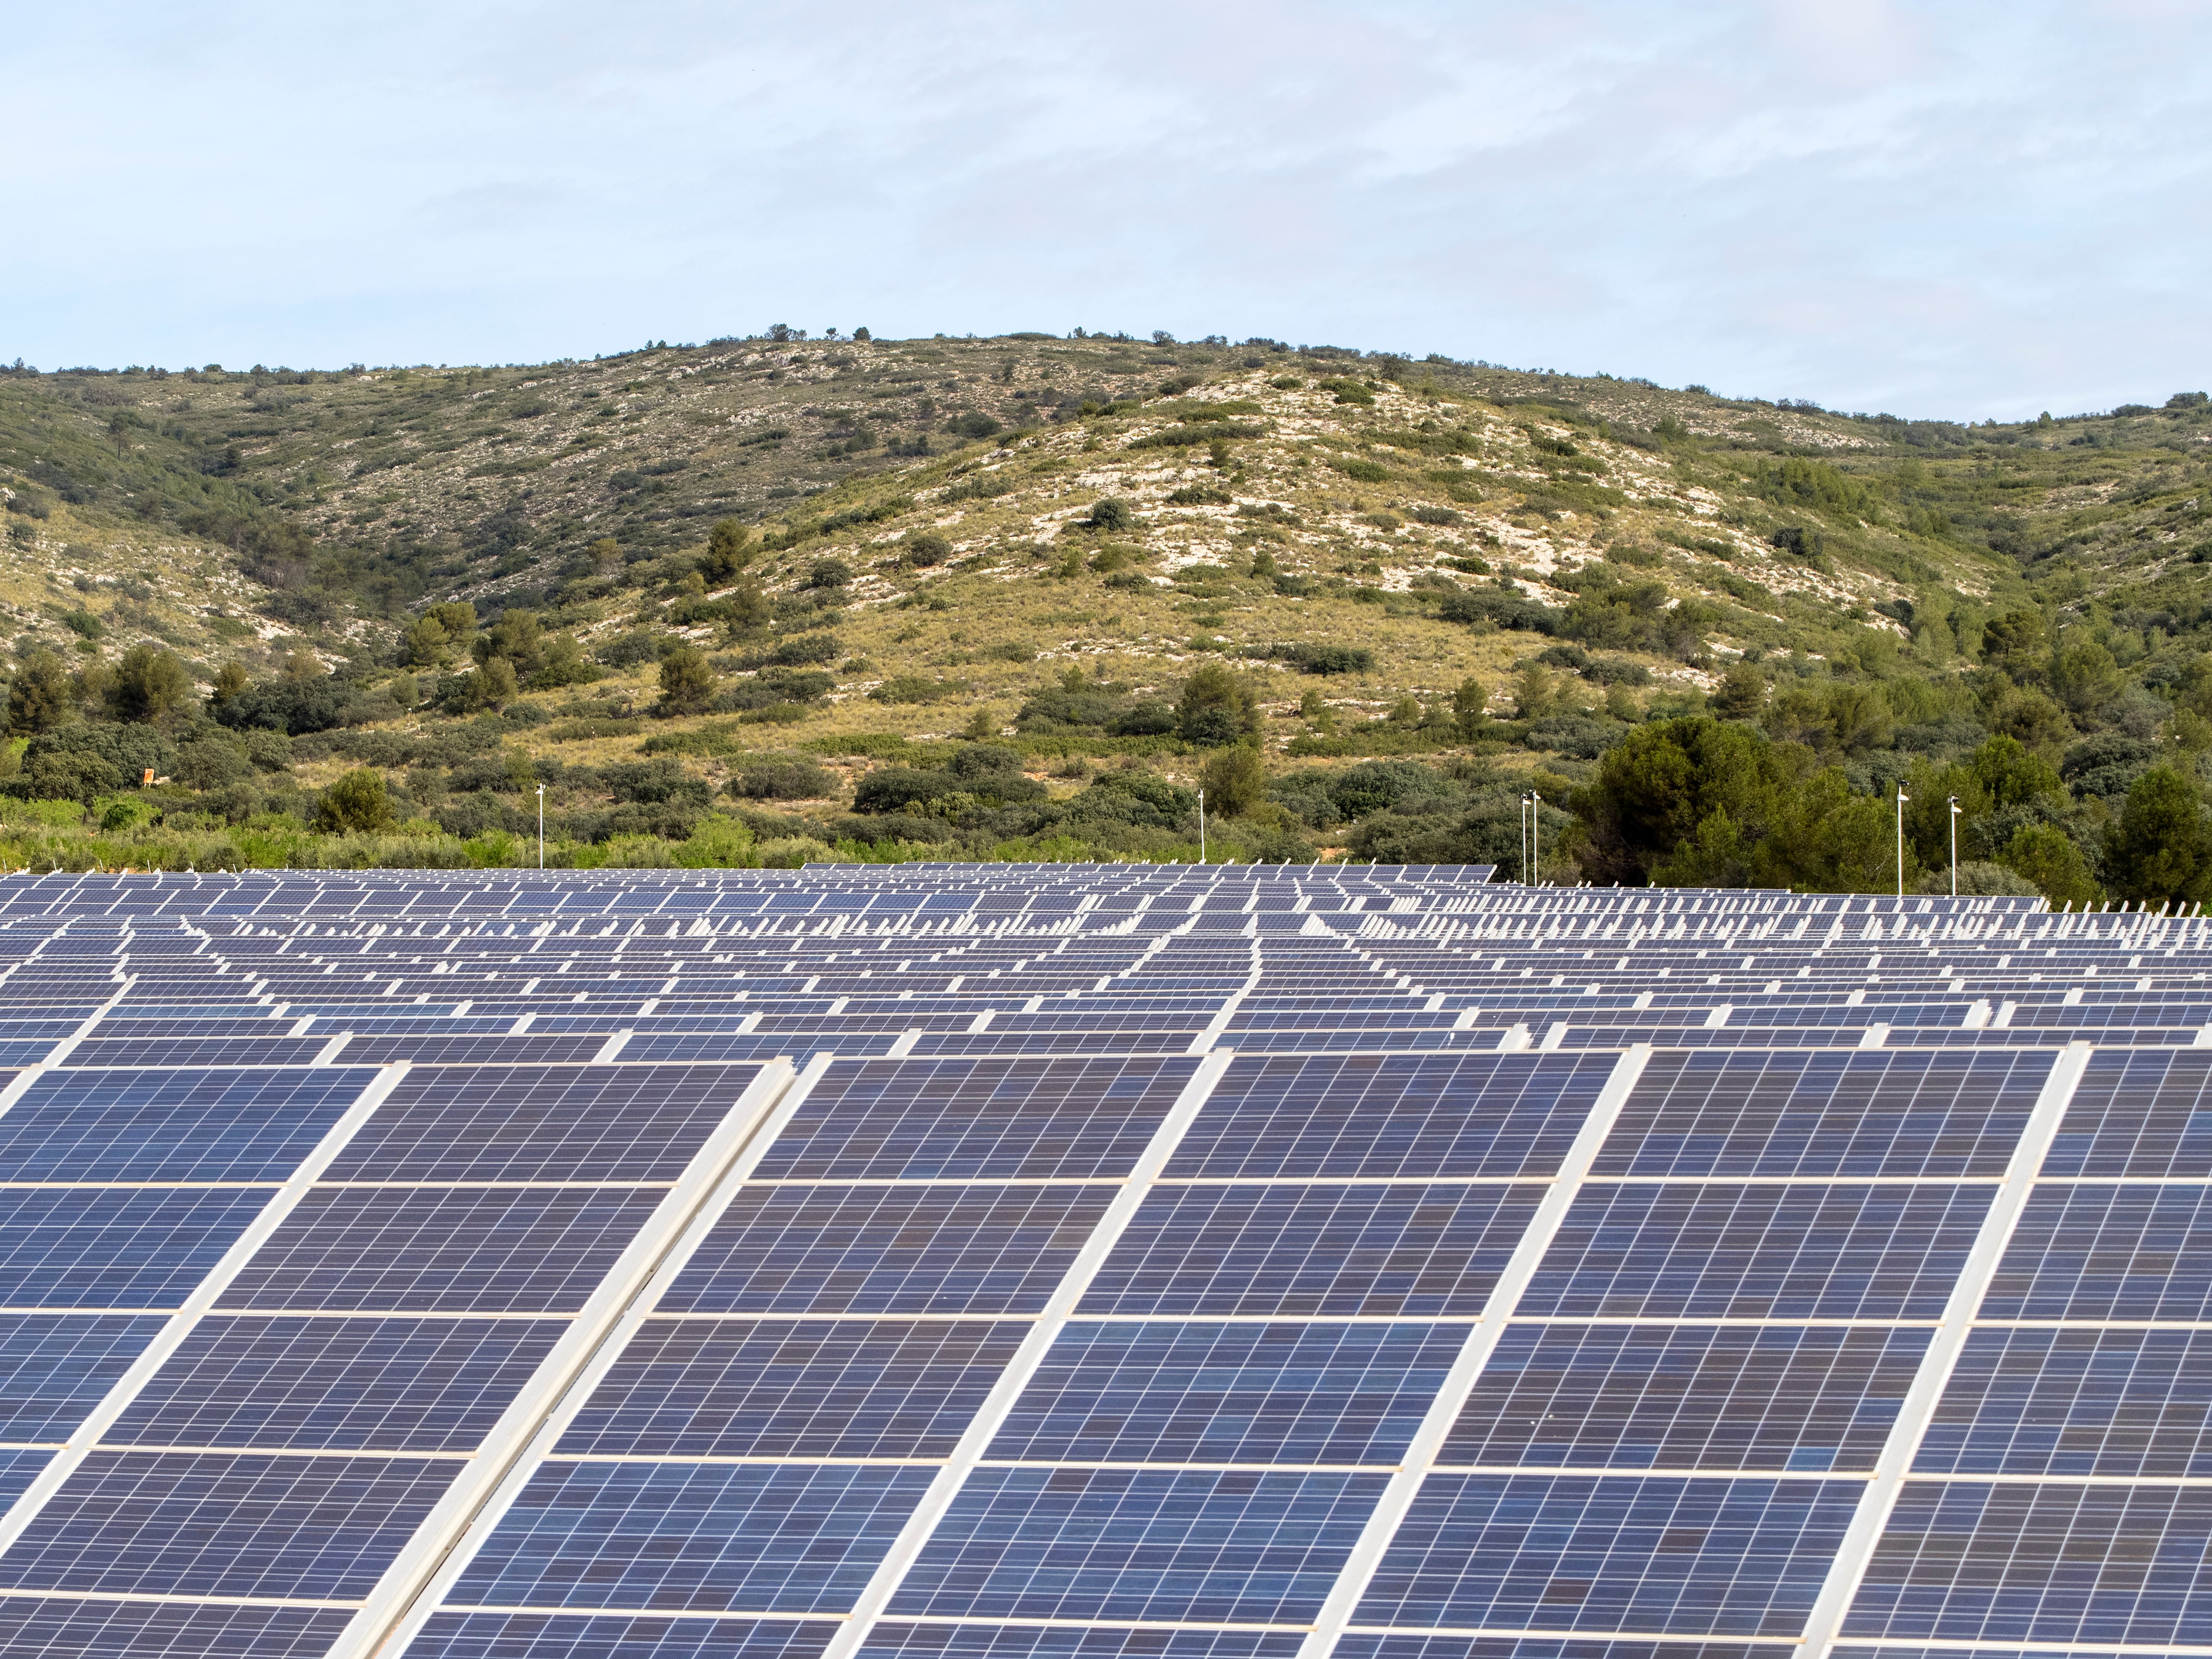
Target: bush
(653, 780)
(1503, 610)
(924, 549)
(917, 689)
(786, 779)
(627, 649)
(1111, 513)
(293, 706)
(149, 683)
(1217, 708)
(687, 682)
(356, 803)
(1326, 658)
(977, 425)
(1236, 780)
(828, 573)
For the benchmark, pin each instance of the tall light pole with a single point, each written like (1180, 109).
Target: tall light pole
(1535, 853)
(541, 826)
(1954, 846)
(1201, 826)
(1901, 799)
(1524, 837)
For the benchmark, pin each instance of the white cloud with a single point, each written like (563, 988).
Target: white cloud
(1934, 208)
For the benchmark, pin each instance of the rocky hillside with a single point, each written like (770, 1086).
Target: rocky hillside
(855, 552)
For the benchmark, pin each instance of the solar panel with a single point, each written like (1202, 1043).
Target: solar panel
(1388, 1262)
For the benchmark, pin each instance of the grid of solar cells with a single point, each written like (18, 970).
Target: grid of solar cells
(1713, 1336)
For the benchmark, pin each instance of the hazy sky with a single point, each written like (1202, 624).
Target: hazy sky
(1938, 208)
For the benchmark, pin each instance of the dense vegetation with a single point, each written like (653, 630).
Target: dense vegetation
(772, 598)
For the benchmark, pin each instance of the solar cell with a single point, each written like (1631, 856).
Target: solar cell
(2056, 1563)
(118, 1248)
(54, 1367)
(1648, 1554)
(569, 1636)
(526, 1123)
(977, 1119)
(1317, 1250)
(1825, 1113)
(470, 1250)
(1687, 1397)
(888, 1250)
(154, 1125)
(1745, 1251)
(1273, 1393)
(770, 1388)
(221, 1523)
(1125, 1544)
(165, 1630)
(404, 1385)
(780, 1538)
(1392, 1115)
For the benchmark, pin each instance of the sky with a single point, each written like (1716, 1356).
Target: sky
(1938, 211)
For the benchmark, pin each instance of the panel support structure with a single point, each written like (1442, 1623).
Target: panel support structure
(1903, 1445)
(534, 1422)
(1428, 1441)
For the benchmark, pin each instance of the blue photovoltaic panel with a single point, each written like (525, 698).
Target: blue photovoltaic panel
(1687, 1397)
(1564, 1552)
(165, 1630)
(907, 1641)
(1972, 1561)
(273, 1050)
(977, 1119)
(878, 1249)
(218, 1524)
(1257, 1548)
(1313, 1250)
(615, 1635)
(18, 1469)
(411, 1385)
(1155, 1392)
(2100, 1251)
(794, 1388)
(54, 1367)
(784, 1538)
(172, 1125)
(731, 1045)
(2110, 1403)
(421, 1251)
(541, 1123)
(1383, 1116)
(61, 1248)
(530, 1049)
(1371, 1644)
(1825, 1113)
(1747, 1251)
(2138, 1114)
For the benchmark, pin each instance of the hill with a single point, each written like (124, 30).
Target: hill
(1020, 597)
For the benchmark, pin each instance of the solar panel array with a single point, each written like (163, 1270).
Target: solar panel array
(1216, 1262)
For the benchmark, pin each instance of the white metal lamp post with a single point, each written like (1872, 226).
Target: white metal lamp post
(1201, 826)
(1954, 846)
(1535, 853)
(541, 826)
(1901, 799)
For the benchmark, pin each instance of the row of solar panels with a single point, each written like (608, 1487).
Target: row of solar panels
(1050, 1336)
